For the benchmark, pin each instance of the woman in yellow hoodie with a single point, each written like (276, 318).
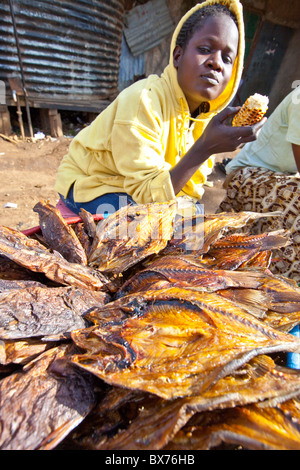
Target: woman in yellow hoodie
(155, 140)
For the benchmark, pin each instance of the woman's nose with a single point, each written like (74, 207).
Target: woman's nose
(215, 62)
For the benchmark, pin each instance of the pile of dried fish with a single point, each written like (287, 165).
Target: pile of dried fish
(151, 329)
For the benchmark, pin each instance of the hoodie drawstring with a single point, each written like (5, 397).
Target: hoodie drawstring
(186, 118)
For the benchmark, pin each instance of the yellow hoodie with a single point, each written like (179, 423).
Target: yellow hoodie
(131, 146)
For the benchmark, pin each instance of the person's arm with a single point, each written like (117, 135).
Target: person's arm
(296, 152)
(217, 138)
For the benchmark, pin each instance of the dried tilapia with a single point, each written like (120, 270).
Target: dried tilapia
(197, 233)
(175, 342)
(175, 337)
(59, 235)
(131, 234)
(256, 291)
(43, 403)
(188, 271)
(253, 427)
(133, 420)
(37, 312)
(236, 250)
(32, 255)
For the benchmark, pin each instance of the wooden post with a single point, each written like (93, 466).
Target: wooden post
(51, 122)
(55, 123)
(5, 124)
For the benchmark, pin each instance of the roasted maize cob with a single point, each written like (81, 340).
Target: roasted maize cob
(252, 111)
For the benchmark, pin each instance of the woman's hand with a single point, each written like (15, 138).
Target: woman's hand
(219, 137)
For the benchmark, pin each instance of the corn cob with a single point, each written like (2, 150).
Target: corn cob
(252, 111)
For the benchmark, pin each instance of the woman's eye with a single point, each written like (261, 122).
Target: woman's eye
(227, 59)
(203, 50)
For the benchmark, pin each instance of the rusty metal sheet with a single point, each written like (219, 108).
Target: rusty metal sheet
(146, 25)
(70, 50)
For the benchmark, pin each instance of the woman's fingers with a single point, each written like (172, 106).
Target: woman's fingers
(249, 133)
(227, 113)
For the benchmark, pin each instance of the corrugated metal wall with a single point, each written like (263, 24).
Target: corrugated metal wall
(70, 50)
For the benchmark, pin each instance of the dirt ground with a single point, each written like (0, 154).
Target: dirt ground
(28, 172)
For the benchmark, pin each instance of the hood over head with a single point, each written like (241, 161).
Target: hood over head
(228, 94)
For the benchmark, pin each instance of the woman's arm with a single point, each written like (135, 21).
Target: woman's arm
(296, 151)
(217, 138)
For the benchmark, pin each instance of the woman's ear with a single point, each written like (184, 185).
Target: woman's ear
(177, 54)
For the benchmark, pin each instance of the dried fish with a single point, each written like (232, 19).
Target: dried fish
(175, 342)
(11, 271)
(83, 238)
(253, 427)
(197, 233)
(187, 271)
(37, 312)
(236, 250)
(258, 292)
(89, 223)
(50, 398)
(131, 234)
(32, 255)
(133, 420)
(159, 336)
(58, 235)
(21, 351)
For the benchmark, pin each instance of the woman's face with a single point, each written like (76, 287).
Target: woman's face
(204, 67)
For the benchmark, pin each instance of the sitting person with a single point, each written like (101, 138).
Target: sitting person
(264, 177)
(155, 141)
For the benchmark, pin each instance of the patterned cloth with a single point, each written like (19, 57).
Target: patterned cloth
(261, 190)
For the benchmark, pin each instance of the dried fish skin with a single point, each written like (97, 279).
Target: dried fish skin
(258, 290)
(42, 404)
(186, 271)
(11, 271)
(32, 255)
(131, 234)
(40, 312)
(59, 236)
(177, 343)
(237, 250)
(253, 427)
(132, 420)
(281, 295)
(21, 351)
(6, 285)
(197, 233)
(89, 223)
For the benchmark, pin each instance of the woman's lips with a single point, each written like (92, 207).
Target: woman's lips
(210, 79)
